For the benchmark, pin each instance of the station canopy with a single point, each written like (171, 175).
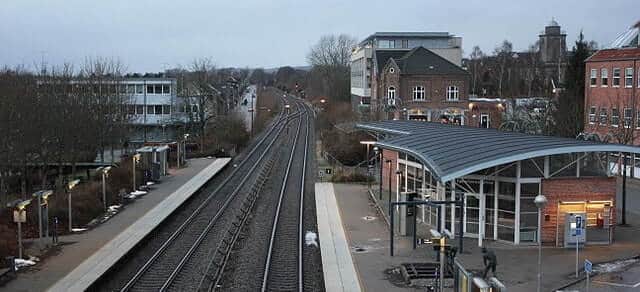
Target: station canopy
(451, 151)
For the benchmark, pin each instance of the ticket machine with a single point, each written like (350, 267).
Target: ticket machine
(575, 229)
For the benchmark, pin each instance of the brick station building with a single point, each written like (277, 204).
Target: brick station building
(496, 175)
(612, 90)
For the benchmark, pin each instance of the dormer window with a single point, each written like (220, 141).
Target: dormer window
(392, 70)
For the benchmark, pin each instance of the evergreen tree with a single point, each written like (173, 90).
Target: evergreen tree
(569, 113)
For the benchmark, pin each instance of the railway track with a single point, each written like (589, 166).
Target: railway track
(182, 257)
(283, 267)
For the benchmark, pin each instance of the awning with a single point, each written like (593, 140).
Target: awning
(451, 151)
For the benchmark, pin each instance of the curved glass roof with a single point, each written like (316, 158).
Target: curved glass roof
(450, 151)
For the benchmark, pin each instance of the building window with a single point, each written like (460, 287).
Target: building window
(131, 109)
(166, 109)
(158, 89)
(628, 77)
(604, 77)
(131, 88)
(452, 93)
(392, 70)
(592, 115)
(616, 77)
(391, 95)
(149, 89)
(151, 110)
(158, 109)
(166, 89)
(386, 44)
(628, 117)
(418, 93)
(484, 121)
(615, 117)
(139, 89)
(603, 116)
(594, 76)
(405, 44)
(140, 109)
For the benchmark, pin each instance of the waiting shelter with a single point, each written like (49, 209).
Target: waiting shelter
(497, 175)
(155, 159)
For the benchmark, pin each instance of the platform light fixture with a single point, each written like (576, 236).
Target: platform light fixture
(105, 173)
(72, 184)
(541, 202)
(43, 198)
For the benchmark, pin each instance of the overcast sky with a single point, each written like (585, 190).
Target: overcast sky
(150, 35)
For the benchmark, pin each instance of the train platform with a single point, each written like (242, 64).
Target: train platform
(83, 257)
(339, 270)
(367, 232)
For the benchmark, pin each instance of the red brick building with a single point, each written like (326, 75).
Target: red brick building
(612, 88)
(421, 85)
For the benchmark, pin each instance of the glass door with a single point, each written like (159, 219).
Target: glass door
(471, 214)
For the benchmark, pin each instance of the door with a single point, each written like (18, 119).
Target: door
(471, 215)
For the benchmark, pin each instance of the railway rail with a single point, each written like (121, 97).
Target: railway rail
(180, 257)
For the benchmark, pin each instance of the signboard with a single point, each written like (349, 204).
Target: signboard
(588, 266)
(20, 216)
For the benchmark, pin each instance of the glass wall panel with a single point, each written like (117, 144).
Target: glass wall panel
(528, 212)
(506, 210)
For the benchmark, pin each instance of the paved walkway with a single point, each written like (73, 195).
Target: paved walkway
(77, 248)
(517, 265)
(339, 272)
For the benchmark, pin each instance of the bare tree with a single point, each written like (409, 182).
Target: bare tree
(476, 57)
(331, 57)
(504, 54)
(201, 98)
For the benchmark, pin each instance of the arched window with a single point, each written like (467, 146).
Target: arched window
(452, 93)
(418, 93)
(391, 95)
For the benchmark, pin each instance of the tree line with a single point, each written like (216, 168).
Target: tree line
(58, 115)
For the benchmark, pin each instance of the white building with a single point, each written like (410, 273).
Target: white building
(154, 108)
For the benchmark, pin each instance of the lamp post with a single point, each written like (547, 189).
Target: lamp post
(105, 174)
(540, 202)
(72, 184)
(134, 159)
(251, 111)
(388, 161)
(42, 197)
(19, 217)
(184, 148)
(377, 152)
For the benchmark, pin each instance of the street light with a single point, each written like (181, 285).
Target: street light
(388, 161)
(135, 159)
(377, 152)
(19, 217)
(72, 184)
(105, 174)
(43, 198)
(251, 111)
(541, 202)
